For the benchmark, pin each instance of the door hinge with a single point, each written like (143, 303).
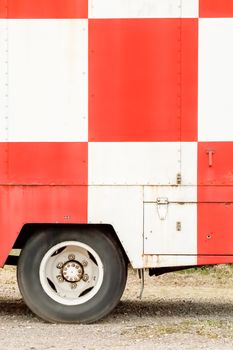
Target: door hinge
(178, 179)
(162, 207)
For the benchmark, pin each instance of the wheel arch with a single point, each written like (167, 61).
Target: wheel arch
(29, 230)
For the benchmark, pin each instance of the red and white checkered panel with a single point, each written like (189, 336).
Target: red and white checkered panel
(122, 96)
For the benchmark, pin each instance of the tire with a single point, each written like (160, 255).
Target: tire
(71, 276)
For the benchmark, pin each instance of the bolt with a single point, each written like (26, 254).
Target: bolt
(85, 277)
(59, 265)
(73, 285)
(84, 263)
(60, 278)
(71, 257)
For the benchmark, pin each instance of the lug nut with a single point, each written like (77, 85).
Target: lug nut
(84, 263)
(59, 265)
(60, 278)
(71, 257)
(73, 285)
(85, 277)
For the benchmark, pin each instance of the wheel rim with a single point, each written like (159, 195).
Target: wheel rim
(71, 273)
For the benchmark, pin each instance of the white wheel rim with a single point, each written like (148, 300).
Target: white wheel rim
(71, 273)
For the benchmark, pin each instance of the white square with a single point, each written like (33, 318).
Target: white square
(215, 119)
(143, 8)
(121, 207)
(133, 163)
(48, 80)
(3, 81)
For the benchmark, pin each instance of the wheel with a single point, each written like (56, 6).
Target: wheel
(71, 276)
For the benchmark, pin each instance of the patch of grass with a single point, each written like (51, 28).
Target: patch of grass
(212, 329)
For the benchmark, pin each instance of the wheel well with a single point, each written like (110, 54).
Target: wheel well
(29, 230)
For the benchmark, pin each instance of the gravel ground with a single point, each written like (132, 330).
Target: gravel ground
(178, 311)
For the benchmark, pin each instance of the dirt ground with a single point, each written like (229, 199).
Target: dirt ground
(178, 311)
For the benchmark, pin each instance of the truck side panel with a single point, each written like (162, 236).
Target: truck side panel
(120, 112)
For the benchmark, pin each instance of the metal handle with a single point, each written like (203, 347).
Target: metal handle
(210, 153)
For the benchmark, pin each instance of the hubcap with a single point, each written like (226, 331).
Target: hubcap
(72, 271)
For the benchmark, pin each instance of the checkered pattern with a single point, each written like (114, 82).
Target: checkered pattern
(100, 101)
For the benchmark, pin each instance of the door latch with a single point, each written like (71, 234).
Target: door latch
(162, 207)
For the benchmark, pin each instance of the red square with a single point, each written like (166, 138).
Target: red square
(215, 198)
(22, 205)
(216, 8)
(143, 80)
(215, 163)
(43, 163)
(44, 9)
(215, 232)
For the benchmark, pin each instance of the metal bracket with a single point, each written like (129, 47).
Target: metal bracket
(141, 275)
(178, 179)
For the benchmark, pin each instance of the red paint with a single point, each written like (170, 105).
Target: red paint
(38, 204)
(216, 8)
(221, 171)
(189, 82)
(138, 88)
(215, 194)
(214, 259)
(215, 230)
(43, 163)
(44, 9)
(215, 179)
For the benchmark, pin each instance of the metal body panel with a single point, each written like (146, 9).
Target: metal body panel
(215, 163)
(216, 8)
(173, 234)
(122, 207)
(44, 9)
(4, 77)
(215, 229)
(188, 166)
(21, 205)
(121, 116)
(143, 8)
(42, 163)
(175, 194)
(133, 163)
(148, 94)
(50, 59)
(215, 122)
(169, 260)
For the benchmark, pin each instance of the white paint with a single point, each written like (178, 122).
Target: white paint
(3, 80)
(143, 8)
(133, 163)
(169, 260)
(48, 80)
(173, 193)
(64, 294)
(189, 163)
(162, 237)
(215, 80)
(121, 207)
(190, 8)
